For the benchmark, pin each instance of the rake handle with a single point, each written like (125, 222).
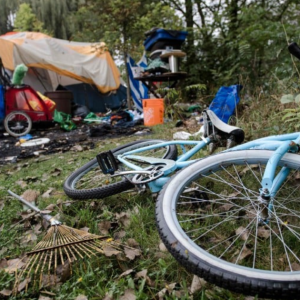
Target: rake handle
(31, 206)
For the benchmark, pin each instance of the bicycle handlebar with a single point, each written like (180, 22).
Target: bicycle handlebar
(294, 49)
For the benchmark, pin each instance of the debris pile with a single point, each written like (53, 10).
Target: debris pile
(82, 138)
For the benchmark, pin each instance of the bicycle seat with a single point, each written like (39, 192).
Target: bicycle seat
(222, 126)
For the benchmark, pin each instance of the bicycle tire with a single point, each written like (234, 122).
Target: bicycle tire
(100, 192)
(201, 233)
(17, 123)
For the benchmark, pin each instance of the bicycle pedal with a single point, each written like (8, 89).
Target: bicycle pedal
(107, 162)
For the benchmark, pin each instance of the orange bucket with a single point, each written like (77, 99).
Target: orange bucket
(153, 111)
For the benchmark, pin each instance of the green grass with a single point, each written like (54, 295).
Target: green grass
(100, 276)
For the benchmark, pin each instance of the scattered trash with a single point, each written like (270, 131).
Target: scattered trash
(182, 135)
(35, 142)
(64, 120)
(62, 141)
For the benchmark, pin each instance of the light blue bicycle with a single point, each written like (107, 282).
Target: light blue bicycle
(232, 218)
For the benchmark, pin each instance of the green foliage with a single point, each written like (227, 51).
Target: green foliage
(291, 115)
(121, 23)
(228, 42)
(26, 20)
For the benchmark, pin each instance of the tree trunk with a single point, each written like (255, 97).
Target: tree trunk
(127, 81)
(190, 38)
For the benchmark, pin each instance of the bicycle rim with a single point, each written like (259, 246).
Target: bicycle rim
(212, 209)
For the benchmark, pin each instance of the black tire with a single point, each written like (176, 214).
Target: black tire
(71, 186)
(211, 218)
(17, 123)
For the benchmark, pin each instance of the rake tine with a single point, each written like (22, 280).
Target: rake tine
(60, 243)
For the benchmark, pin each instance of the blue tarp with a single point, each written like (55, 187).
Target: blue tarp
(2, 108)
(137, 89)
(225, 101)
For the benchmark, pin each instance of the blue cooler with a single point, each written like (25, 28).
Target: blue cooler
(159, 38)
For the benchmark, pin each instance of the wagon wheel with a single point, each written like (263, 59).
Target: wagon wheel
(17, 123)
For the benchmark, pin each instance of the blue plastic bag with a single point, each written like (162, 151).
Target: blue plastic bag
(2, 107)
(225, 101)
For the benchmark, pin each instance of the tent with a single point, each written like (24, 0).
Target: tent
(86, 68)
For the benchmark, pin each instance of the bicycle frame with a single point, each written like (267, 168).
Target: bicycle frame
(280, 144)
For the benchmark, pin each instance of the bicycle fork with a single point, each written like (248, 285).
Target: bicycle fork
(270, 183)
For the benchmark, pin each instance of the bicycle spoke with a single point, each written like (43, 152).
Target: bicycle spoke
(222, 210)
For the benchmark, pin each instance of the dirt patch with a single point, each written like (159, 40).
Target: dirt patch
(83, 138)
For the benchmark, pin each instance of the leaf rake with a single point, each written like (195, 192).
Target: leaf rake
(59, 248)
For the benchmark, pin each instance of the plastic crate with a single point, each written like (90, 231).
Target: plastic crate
(162, 38)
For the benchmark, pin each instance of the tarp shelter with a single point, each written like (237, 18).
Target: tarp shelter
(86, 68)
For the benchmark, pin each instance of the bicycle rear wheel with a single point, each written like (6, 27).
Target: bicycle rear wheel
(88, 182)
(209, 217)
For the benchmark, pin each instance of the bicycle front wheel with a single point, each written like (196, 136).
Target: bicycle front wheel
(88, 182)
(209, 216)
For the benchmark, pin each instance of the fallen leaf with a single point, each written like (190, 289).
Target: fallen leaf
(47, 193)
(50, 280)
(50, 207)
(64, 271)
(124, 218)
(104, 227)
(110, 251)
(22, 285)
(29, 237)
(132, 253)
(77, 148)
(3, 263)
(108, 297)
(168, 289)
(81, 297)
(161, 294)
(126, 273)
(132, 243)
(14, 264)
(295, 267)
(6, 292)
(242, 232)
(263, 233)
(246, 252)
(21, 183)
(119, 235)
(27, 215)
(30, 195)
(225, 207)
(141, 274)
(129, 295)
(197, 284)
(2, 251)
(56, 172)
(162, 247)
